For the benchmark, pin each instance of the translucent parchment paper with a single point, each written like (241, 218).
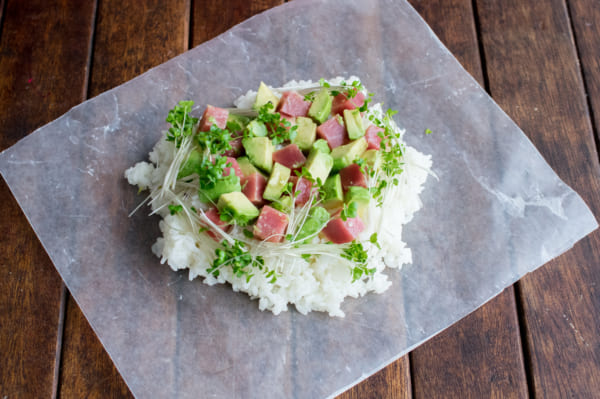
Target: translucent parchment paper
(497, 212)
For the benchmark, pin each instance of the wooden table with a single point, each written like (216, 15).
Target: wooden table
(540, 60)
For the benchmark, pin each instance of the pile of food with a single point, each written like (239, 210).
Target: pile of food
(296, 196)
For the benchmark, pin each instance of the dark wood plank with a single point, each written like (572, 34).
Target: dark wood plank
(87, 371)
(134, 36)
(534, 75)
(481, 355)
(210, 18)
(130, 38)
(43, 58)
(585, 15)
(391, 382)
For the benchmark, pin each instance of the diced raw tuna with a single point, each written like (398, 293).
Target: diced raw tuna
(305, 188)
(372, 137)
(213, 116)
(352, 176)
(237, 148)
(339, 232)
(293, 104)
(342, 102)
(213, 215)
(254, 187)
(235, 166)
(333, 132)
(290, 156)
(271, 224)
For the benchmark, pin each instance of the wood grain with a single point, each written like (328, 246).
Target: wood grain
(210, 18)
(134, 36)
(480, 356)
(585, 15)
(533, 74)
(43, 58)
(130, 38)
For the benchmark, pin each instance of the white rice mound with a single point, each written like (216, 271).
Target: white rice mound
(319, 285)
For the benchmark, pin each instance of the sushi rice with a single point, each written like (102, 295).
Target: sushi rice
(320, 284)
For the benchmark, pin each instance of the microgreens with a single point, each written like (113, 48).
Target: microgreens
(280, 129)
(182, 123)
(174, 209)
(349, 211)
(240, 260)
(357, 254)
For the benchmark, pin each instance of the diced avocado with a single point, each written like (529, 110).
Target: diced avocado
(283, 204)
(239, 207)
(372, 158)
(227, 184)
(246, 166)
(334, 196)
(191, 165)
(321, 106)
(236, 123)
(319, 165)
(306, 133)
(321, 145)
(257, 129)
(317, 219)
(277, 181)
(263, 96)
(354, 123)
(260, 152)
(358, 194)
(344, 155)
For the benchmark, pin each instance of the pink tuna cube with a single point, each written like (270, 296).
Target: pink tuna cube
(293, 104)
(289, 156)
(271, 225)
(235, 166)
(342, 102)
(351, 175)
(372, 137)
(237, 149)
(333, 132)
(213, 116)
(254, 187)
(305, 188)
(339, 232)
(213, 215)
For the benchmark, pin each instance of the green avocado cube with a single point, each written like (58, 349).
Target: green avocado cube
(354, 123)
(321, 106)
(236, 123)
(358, 194)
(306, 133)
(321, 145)
(344, 155)
(191, 164)
(277, 181)
(260, 152)
(283, 204)
(319, 165)
(263, 96)
(257, 129)
(333, 193)
(227, 184)
(317, 219)
(246, 166)
(372, 158)
(239, 207)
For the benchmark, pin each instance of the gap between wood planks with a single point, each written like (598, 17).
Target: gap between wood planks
(516, 292)
(64, 292)
(590, 109)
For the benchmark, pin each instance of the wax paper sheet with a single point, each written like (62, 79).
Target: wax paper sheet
(497, 212)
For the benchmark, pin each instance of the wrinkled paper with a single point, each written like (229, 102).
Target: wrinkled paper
(497, 212)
